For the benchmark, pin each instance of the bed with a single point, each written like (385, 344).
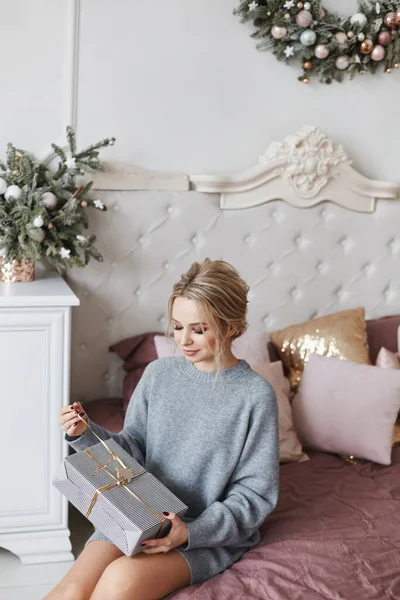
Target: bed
(335, 534)
(311, 236)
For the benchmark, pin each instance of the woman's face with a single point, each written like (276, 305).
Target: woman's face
(192, 333)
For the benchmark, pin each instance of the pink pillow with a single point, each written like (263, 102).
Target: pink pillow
(387, 359)
(251, 346)
(347, 408)
(290, 449)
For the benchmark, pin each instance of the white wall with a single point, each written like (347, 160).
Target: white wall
(180, 84)
(182, 87)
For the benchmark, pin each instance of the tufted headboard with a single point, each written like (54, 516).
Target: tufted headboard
(308, 233)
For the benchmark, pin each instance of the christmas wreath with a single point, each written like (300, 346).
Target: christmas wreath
(325, 42)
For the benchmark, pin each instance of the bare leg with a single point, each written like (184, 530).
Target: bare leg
(143, 577)
(82, 578)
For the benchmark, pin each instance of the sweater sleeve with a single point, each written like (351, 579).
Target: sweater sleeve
(252, 492)
(133, 436)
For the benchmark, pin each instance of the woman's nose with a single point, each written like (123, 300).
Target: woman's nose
(186, 339)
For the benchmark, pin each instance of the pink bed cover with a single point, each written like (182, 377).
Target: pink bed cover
(335, 535)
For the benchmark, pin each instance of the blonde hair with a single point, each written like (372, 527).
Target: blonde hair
(218, 290)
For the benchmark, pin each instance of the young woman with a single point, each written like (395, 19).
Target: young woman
(204, 424)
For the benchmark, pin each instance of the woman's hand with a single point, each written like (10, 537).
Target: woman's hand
(178, 535)
(71, 419)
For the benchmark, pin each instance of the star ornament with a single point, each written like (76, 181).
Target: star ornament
(289, 51)
(253, 5)
(289, 4)
(70, 162)
(98, 204)
(65, 253)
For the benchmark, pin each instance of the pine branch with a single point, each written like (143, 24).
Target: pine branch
(71, 140)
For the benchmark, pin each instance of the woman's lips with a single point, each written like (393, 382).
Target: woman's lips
(190, 352)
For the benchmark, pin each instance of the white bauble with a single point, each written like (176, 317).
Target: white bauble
(3, 185)
(38, 222)
(359, 19)
(308, 37)
(307, 6)
(342, 62)
(14, 192)
(40, 234)
(49, 200)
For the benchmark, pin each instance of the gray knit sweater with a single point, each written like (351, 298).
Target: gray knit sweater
(213, 440)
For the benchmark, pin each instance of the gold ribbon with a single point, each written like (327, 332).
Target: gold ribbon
(119, 480)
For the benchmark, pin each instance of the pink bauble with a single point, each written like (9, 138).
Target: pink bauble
(384, 38)
(278, 32)
(390, 19)
(378, 53)
(321, 51)
(341, 38)
(304, 18)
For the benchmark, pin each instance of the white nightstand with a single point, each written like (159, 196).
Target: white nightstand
(35, 345)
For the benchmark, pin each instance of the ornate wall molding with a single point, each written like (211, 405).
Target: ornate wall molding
(306, 168)
(122, 177)
(73, 67)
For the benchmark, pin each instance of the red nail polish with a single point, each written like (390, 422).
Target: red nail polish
(165, 513)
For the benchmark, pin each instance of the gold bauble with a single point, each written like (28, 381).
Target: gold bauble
(388, 70)
(50, 226)
(366, 46)
(307, 65)
(397, 66)
(398, 16)
(84, 204)
(300, 5)
(305, 80)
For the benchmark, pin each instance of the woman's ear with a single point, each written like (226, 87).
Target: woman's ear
(232, 331)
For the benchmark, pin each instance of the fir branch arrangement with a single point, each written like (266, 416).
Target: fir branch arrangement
(325, 42)
(43, 211)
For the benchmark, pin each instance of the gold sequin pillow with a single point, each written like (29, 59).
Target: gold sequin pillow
(342, 335)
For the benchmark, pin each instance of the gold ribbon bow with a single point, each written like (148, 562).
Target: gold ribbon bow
(124, 476)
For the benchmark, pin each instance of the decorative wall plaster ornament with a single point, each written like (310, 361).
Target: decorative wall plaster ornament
(320, 39)
(304, 169)
(310, 160)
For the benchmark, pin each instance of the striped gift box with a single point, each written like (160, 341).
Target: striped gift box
(125, 517)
